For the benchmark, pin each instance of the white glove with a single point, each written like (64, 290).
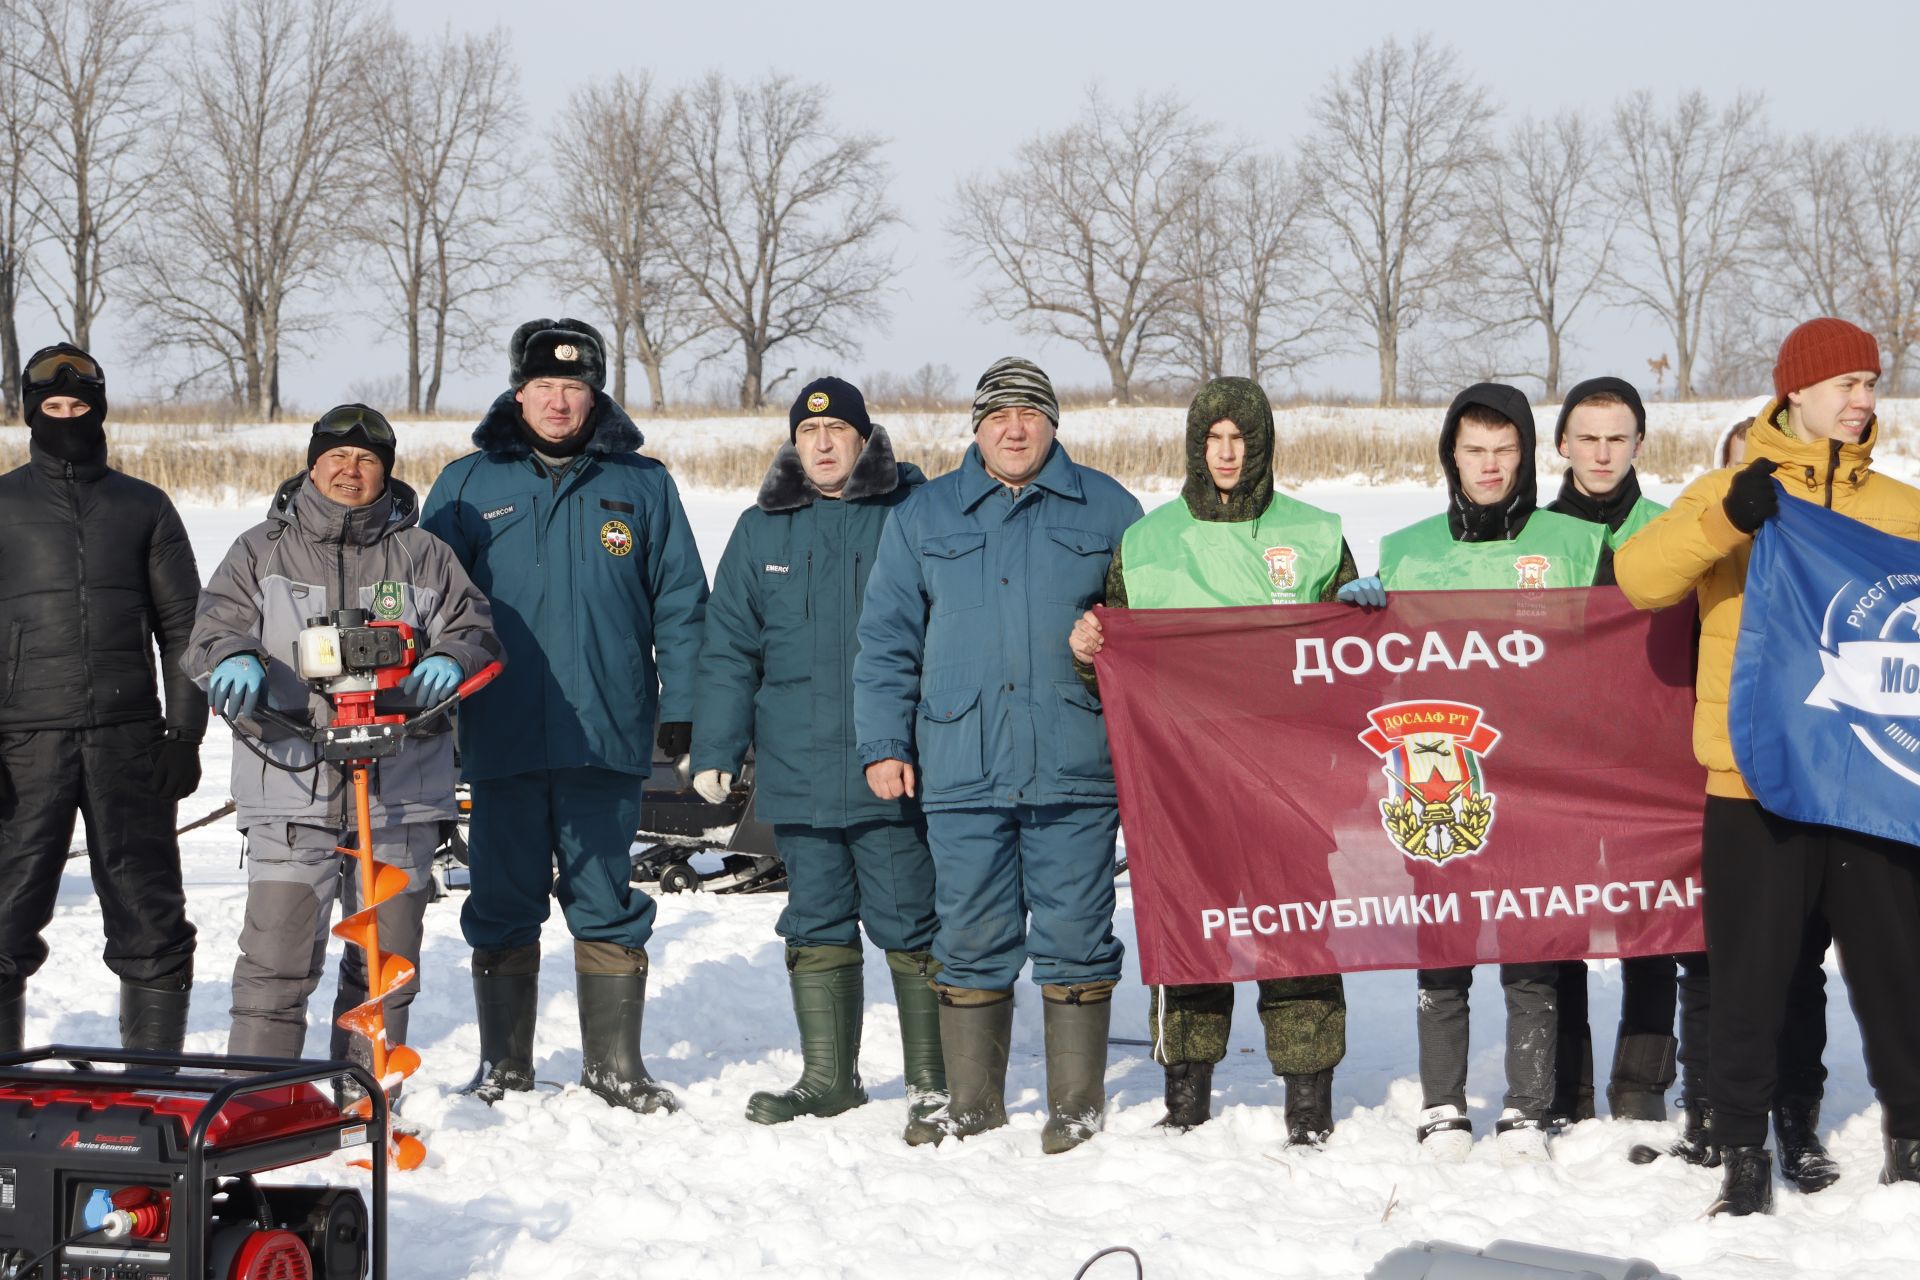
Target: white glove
(713, 785)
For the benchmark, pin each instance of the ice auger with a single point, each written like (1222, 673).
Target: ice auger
(351, 660)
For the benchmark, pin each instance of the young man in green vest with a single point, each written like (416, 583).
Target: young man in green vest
(1232, 540)
(1601, 428)
(1491, 536)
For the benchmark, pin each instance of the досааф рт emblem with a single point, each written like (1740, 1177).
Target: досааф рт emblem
(1437, 806)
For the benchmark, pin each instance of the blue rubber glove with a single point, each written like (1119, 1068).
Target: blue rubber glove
(1365, 592)
(433, 681)
(234, 690)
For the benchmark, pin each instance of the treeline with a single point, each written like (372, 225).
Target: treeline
(232, 182)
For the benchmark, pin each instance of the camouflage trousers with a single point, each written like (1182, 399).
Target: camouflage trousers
(1305, 1020)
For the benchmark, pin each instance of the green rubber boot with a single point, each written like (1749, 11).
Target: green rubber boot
(926, 1071)
(1077, 1019)
(976, 1033)
(829, 995)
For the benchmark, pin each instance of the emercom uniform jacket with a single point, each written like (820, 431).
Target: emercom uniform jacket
(964, 666)
(310, 557)
(1694, 547)
(597, 592)
(95, 569)
(776, 671)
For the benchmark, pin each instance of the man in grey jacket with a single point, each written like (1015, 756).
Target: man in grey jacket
(343, 535)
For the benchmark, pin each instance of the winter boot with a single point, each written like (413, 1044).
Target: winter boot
(1189, 1096)
(611, 983)
(1746, 1185)
(1903, 1161)
(13, 1015)
(1076, 1019)
(1309, 1108)
(1643, 1066)
(153, 1016)
(1446, 1135)
(829, 995)
(926, 1071)
(1693, 1146)
(1522, 1138)
(506, 995)
(1803, 1159)
(976, 1032)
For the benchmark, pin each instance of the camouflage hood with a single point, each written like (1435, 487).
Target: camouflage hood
(1243, 402)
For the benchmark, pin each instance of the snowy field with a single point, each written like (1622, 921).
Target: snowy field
(555, 1185)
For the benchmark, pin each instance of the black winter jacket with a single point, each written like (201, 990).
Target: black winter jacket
(95, 569)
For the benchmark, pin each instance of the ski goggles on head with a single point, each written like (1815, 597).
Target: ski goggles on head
(48, 367)
(349, 418)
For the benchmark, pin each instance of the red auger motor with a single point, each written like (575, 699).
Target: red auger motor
(147, 1171)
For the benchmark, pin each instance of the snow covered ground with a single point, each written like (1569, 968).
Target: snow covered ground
(556, 1185)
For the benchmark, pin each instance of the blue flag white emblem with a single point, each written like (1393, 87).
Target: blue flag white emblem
(1825, 706)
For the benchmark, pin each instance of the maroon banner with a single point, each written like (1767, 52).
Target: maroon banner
(1464, 776)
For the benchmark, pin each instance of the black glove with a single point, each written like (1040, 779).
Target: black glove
(1752, 500)
(176, 769)
(676, 738)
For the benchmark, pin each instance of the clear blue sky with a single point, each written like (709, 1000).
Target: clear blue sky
(957, 87)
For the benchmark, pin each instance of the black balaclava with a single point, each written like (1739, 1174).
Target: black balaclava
(1469, 521)
(1241, 401)
(78, 440)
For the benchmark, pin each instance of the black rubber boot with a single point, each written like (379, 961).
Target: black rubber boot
(1077, 1019)
(1189, 1096)
(1903, 1161)
(1803, 1158)
(612, 1009)
(153, 1016)
(506, 996)
(925, 1068)
(1746, 1185)
(1694, 1146)
(829, 997)
(1309, 1108)
(13, 1015)
(1643, 1067)
(975, 1037)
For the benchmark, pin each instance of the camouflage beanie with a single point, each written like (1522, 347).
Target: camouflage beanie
(1241, 401)
(1011, 381)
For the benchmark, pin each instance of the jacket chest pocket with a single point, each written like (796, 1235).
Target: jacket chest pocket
(954, 566)
(1073, 565)
(611, 532)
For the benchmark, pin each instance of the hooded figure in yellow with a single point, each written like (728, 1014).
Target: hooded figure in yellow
(1232, 540)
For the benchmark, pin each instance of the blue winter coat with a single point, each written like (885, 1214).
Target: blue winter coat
(777, 667)
(963, 663)
(597, 593)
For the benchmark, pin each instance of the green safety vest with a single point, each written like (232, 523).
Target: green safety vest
(1639, 516)
(1552, 551)
(1287, 555)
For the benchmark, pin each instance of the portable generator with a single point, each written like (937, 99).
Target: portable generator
(148, 1172)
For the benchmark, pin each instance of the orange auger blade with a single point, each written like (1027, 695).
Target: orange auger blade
(386, 974)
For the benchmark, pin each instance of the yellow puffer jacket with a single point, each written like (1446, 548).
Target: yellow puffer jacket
(1694, 547)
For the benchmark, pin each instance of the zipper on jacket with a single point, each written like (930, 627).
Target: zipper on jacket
(806, 587)
(80, 542)
(1833, 465)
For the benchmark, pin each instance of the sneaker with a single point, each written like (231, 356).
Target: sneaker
(1522, 1139)
(1446, 1135)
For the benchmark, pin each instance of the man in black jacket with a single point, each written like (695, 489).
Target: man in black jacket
(95, 569)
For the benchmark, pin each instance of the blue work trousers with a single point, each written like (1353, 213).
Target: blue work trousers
(876, 874)
(995, 867)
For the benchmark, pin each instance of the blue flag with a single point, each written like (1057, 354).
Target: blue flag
(1825, 705)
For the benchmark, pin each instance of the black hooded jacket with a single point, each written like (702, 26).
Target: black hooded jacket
(95, 570)
(1469, 521)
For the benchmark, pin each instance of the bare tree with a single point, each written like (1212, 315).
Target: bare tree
(254, 213)
(780, 219)
(439, 124)
(1281, 317)
(1549, 235)
(1805, 230)
(94, 61)
(20, 105)
(616, 210)
(1886, 228)
(1689, 184)
(1077, 234)
(1398, 139)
